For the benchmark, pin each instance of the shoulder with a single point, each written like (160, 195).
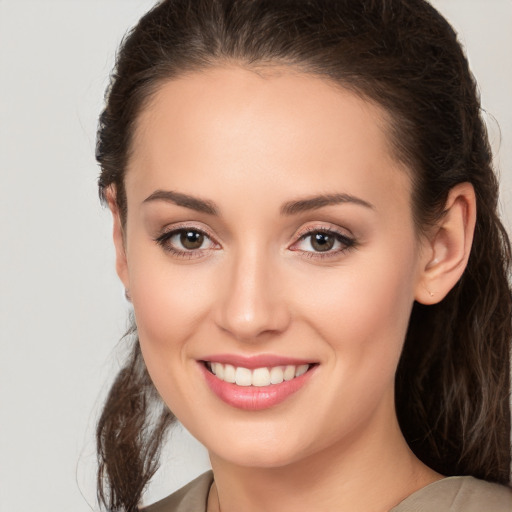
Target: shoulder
(191, 498)
(459, 494)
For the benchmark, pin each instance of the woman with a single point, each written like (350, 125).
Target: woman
(305, 222)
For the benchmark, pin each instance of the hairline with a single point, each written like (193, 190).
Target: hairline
(387, 121)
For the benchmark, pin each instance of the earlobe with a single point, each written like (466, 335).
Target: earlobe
(119, 238)
(448, 247)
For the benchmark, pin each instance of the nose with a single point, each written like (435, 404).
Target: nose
(251, 303)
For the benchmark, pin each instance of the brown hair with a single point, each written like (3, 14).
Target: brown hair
(452, 383)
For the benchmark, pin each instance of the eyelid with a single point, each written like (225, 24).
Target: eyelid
(181, 226)
(326, 228)
(347, 239)
(165, 234)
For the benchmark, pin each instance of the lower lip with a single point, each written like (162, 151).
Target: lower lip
(253, 398)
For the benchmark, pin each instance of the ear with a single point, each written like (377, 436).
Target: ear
(119, 238)
(446, 249)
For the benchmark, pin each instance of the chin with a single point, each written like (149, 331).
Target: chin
(258, 451)
(257, 458)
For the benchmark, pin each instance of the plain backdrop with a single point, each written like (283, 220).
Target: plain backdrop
(62, 310)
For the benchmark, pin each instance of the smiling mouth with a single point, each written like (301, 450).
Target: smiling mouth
(257, 377)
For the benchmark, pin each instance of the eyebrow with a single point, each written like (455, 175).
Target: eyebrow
(179, 199)
(313, 203)
(288, 208)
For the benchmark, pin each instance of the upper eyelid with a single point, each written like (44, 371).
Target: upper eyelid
(167, 233)
(301, 233)
(344, 238)
(298, 235)
(176, 228)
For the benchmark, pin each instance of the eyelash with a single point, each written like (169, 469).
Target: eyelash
(347, 242)
(163, 241)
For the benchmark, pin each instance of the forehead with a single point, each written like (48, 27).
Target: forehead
(279, 126)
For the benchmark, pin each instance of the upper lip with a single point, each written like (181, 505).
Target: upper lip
(256, 361)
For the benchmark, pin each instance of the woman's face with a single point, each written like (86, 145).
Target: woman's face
(269, 231)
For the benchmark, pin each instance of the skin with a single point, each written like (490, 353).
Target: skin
(250, 143)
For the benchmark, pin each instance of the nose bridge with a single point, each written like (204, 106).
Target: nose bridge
(251, 304)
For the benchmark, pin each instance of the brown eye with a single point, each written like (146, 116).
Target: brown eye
(186, 242)
(322, 241)
(191, 240)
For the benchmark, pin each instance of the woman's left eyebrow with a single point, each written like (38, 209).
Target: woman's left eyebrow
(315, 202)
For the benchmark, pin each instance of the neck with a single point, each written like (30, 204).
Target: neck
(371, 472)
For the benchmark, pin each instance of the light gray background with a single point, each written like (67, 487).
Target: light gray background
(61, 307)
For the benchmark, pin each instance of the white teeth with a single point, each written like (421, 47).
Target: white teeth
(301, 370)
(276, 375)
(229, 373)
(289, 372)
(219, 370)
(243, 377)
(259, 376)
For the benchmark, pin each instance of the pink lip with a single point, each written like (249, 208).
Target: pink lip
(254, 398)
(252, 362)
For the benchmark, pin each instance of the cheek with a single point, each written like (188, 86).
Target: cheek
(170, 305)
(365, 315)
(169, 301)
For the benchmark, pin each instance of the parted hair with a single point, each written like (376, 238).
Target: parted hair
(453, 378)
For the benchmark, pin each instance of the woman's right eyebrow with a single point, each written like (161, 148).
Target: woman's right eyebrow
(185, 200)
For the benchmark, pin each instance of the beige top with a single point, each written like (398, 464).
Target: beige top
(452, 494)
